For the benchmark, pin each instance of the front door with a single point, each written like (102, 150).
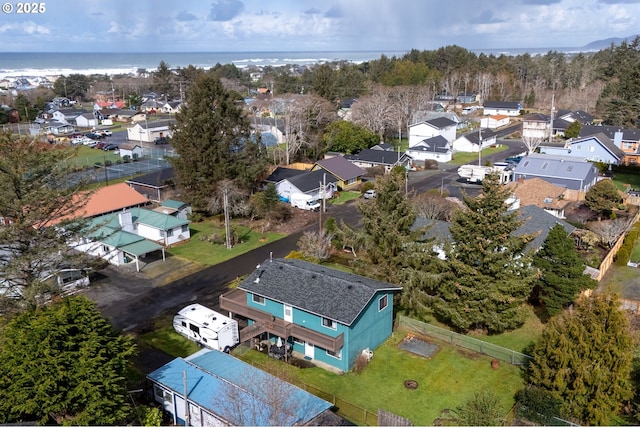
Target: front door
(288, 313)
(308, 350)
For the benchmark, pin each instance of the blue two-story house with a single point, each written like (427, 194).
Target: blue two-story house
(325, 315)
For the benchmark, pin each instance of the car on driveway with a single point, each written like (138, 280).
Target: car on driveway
(369, 194)
(110, 147)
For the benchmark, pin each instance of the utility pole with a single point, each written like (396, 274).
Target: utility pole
(479, 146)
(186, 402)
(553, 97)
(320, 210)
(226, 218)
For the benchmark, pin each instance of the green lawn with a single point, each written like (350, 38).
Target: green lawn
(621, 178)
(447, 380)
(87, 157)
(204, 252)
(519, 339)
(460, 158)
(345, 196)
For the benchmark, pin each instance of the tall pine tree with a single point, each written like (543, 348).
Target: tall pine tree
(584, 358)
(64, 364)
(561, 272)
(213, 142)
(488, 276)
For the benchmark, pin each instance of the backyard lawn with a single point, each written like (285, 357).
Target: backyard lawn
(447, 380)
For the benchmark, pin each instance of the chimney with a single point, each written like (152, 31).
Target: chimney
(126, 221)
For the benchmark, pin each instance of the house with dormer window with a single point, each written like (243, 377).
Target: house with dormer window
(440, 126)
(323, 314)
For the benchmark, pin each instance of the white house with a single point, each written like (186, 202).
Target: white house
(440, 126)
(148, 131)
(86, 120)
(319, 184)
(130, 149)
(507, 108)
(536, 126)
(67, 115)
(123, 237)
(436, 148)
(495, 121)
(471, 142)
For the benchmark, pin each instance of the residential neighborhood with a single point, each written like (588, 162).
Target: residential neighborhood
(439, 253)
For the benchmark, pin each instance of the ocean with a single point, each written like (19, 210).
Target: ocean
(15, 64)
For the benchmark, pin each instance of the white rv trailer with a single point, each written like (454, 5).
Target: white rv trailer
(474, 173)
(207, 327)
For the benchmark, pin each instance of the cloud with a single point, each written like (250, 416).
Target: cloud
(619, 1)
(225, 10)
(312, 11)
(28, 27)
(334, 12)
(185, 16)
(540, 2)
(486, 17)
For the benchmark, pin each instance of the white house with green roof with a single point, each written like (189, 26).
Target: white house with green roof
(124, 237)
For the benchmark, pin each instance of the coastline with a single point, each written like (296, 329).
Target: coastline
(14, 65)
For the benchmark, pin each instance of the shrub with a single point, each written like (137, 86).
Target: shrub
(126, 158)
(107, 162)
(430, 164)
(369, 185)
(135, 157)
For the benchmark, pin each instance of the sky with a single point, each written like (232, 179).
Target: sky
(311, 25)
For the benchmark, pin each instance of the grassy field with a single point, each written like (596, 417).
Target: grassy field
(464, 158)
(200, 250)
(622, 178)
(87, 157)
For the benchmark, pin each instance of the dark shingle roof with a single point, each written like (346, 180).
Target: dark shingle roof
(610, 131)
(536, 222)
(436, 144)
(281, 173)
(441, 122)
(474, 137)
(375, 156)
(503, 104)
(314, 288)
(309, 181)
(159, 178)
(341, 168)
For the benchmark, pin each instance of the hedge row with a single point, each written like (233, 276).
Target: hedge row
(624, 254)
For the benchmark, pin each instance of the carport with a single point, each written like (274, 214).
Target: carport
(139, 249)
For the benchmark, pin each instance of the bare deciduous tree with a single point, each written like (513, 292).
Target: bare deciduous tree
(373, 111)
(531, 142)
(434, 206)
(609, 230)
(316, 245)
(237, 198)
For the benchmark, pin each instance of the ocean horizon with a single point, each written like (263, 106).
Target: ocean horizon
(46, 64)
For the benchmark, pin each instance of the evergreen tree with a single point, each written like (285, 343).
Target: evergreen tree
(488, 276)
(63, 363)
(347, 137)
(584, 358)
(163, 81)
(386, 230)
(212, 139)
(36, 201)
(72, 86)
(561, 272)
(573, 130)
(603, 197)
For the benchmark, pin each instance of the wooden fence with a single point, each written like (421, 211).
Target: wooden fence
(608, 260)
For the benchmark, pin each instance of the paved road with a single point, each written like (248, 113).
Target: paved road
(143, 303)
(140, 303)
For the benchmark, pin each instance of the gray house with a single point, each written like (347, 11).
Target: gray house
(568, 172)
(594, 148)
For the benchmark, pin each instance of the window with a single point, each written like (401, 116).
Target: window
(383, 302)
(161, 233)
(185, 228)
(257, 299)
(105, 248)
(337, 355)
(328, 323)
(351, 181)
(194, 328)
(298, 341)
(183, 323)
(170, 232)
